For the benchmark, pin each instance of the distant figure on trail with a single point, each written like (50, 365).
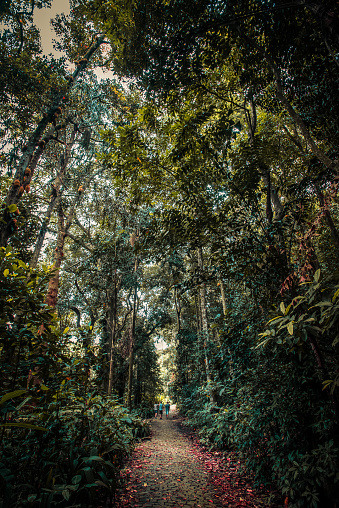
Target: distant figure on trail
(156, 409)
(160, 410)
(167, 408)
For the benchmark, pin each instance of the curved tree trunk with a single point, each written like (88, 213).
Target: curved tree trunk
(36, 145)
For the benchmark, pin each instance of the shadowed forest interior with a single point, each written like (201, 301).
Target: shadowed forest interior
(169, 231)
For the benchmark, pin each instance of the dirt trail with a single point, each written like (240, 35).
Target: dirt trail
(171, 470)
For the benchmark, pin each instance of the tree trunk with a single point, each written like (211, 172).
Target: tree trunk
(223, 297)
(272, 194)
(204, 321)
(63, 163)
(132, 340)
(53, 286)
(177, 308)
(198, 313)
(35, 147)
(112, 323)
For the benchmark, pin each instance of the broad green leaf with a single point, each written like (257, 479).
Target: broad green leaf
(6, 272)
(263, 343)
(102, 484)
(76, 479)
(74, 488)
(290, 328)
(23, 403)
(274, 319)
(24, 426)
(317, 275)
(11, 395)
(94, 457)
(66, 494)
(335, 295)
(12, 208)
(327, 383)
(282, 308)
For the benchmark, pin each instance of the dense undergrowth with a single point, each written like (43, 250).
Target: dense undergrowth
(62, 439)
(275, 395)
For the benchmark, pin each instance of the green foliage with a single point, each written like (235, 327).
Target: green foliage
(62, 441)
(201, 207)
(78, 457)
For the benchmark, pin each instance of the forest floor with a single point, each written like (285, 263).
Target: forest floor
(172, 469)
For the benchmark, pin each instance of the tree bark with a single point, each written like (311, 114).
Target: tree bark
(198, 313)
(223, 297)
(53, 286)
(177, 309)
(63, 163)
(204, 321)
(112, 325)
(132, 341)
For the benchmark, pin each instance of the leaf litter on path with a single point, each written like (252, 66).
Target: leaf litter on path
(183, 471)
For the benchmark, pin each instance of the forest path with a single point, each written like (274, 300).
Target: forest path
(172, 470)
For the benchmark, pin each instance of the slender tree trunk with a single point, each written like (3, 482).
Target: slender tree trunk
(224, 308)
(269, 212)
(63, 163)
(111, 367)
(198, 313)
(204, 321)
(272, 193)
(36, 145)
(177, 308)
(223, 297)
(132, 340)
(112, 331)
(53, 286)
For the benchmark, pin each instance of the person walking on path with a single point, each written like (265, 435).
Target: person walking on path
(167, 408)
(160, 410)
(156, 409)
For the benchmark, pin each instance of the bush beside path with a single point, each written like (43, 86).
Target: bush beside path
(171, 469)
